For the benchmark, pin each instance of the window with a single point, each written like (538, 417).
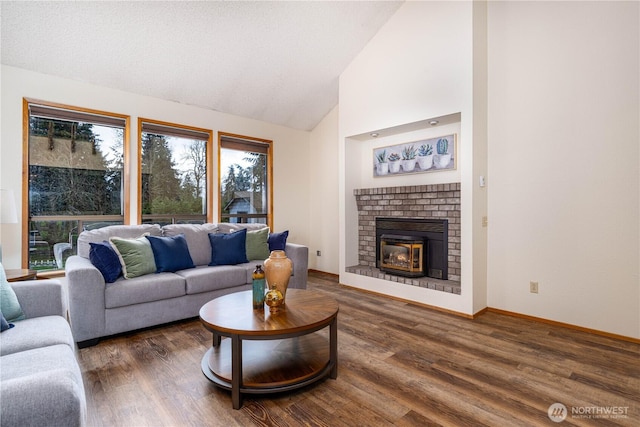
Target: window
(245, 179)
(174, 171)
(75, 178)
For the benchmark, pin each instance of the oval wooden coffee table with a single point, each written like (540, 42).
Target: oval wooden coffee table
(270, 353)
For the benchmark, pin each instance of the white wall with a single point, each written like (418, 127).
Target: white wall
(323, 190)
(563, 162)
(418, 66)
(548, 93)
(291, 175)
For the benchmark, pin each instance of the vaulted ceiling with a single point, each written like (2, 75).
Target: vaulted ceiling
(273, 61)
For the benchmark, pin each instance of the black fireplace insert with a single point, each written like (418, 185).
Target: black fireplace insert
(409, 233)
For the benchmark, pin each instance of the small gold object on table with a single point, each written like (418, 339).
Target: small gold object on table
(274, 299)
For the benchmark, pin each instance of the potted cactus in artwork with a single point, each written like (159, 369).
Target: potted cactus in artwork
(443, 158)
(394, 164)
(382, 166)
(425, 156)
(409, 158)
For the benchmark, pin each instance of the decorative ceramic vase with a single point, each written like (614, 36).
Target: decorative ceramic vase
(274, 299)
(277, 271)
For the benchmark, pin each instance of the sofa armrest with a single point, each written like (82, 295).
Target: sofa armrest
(299, 255)
(41, 297)
(86, 298)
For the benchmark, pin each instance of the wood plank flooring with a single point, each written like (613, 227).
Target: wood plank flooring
(399, 365)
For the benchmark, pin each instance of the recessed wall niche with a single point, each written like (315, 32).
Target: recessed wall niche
(360, 177)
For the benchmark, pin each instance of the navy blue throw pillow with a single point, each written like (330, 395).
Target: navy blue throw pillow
(105, 259)
(228, 248)
(4, 325)
(171, 253)
(278, 241)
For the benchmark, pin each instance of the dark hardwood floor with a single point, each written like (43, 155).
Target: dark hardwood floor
(400, 364)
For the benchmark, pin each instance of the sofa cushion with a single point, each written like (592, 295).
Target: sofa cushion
(150, 287)
(197, 236)
(136, 256)
(9, 304)
(105, 233)
(170, 253)
(228, 249)
(278, 241)
(205, 279)
(34, 333)
(257, 245)
(105, 259)
(42, 387)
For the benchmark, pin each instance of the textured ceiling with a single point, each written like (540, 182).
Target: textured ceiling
(273, 61)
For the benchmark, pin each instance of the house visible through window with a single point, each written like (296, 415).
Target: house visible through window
(174, 170)
(75, 179)
(245, 180)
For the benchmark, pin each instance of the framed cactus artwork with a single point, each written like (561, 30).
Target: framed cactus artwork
(427, 155)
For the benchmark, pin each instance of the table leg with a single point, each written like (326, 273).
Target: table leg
(333, 347)
(236, 371)
(216, 339)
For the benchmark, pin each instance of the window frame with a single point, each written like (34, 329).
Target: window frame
(249, 140)
(209, 166)
(126, 177)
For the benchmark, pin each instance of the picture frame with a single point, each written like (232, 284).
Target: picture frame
(426, 155)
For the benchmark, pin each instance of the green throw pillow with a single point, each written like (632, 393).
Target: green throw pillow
(9, 304)
(136, 256)
(257, 244)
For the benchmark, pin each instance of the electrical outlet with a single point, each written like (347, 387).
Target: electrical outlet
(318, 253)
(533, 287)
(485, 221)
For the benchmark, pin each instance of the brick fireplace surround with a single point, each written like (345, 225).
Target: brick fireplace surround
(437, 201)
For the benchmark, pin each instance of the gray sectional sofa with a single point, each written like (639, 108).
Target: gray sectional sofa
(99, 309)
(40, 380)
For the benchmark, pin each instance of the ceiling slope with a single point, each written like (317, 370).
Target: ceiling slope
(273, 61)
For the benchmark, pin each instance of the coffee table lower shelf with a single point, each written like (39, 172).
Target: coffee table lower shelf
(271, 366)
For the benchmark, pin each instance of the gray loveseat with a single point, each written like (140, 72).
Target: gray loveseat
(98, 309)
(40, 380)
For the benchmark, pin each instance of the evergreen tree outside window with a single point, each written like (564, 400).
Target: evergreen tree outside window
(173, 173)
(245, 179)
(75, 179)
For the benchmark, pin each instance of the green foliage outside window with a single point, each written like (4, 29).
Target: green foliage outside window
(173, 175)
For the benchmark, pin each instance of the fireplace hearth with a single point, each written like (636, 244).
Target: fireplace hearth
(416, 202)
